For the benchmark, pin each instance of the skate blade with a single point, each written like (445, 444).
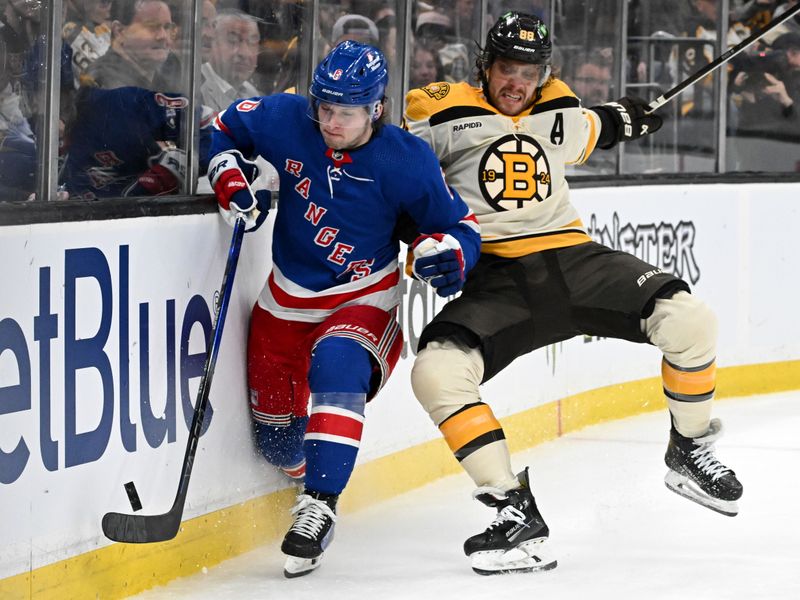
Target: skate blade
(297, 567)
(684, 486)
(528, 557)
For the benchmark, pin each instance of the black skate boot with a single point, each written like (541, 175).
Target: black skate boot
(312, 531)
(515, 542)
(696, 474)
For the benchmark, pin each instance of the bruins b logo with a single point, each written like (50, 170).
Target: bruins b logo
(513, 172)
(437, 90)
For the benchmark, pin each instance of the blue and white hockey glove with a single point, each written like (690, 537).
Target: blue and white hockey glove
(239, 194)
(439, 261)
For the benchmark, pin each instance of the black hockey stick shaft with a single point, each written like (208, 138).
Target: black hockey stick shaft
(158, 528)
(721, 60)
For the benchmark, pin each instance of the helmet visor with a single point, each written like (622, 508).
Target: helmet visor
(344, 116)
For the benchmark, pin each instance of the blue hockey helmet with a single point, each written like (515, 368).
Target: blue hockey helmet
(352, 74)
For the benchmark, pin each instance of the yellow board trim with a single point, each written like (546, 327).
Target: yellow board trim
(122, 570)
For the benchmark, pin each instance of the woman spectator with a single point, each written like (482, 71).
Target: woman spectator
(425, 67)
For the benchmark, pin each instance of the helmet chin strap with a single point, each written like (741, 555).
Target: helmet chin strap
(545, 76)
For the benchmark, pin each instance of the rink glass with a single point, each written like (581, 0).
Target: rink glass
(603, 49)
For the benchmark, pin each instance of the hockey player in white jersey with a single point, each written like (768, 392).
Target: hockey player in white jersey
(541, 279)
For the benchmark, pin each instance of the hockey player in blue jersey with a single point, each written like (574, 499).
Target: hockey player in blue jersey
(324, 325)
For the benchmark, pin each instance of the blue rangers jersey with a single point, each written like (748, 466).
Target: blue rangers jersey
(118, 134)
(333, 243)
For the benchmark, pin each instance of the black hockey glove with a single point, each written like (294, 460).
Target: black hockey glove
(625, 120)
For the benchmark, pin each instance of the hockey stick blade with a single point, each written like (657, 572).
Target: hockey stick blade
(144, 529)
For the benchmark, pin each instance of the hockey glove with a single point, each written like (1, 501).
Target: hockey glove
(165, 174)
(439, 261)
(231, 176)
(629, 119)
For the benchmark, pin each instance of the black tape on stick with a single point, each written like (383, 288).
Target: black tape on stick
(133, 496)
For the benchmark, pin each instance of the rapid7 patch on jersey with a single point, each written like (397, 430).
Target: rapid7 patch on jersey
(513, 172)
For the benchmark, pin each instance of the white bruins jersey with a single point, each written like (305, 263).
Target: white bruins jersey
(509, 170)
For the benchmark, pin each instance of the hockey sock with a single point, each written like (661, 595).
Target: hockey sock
(689, 393)
(282, 446)
(339, 379)
(477, 440)
(332, 440)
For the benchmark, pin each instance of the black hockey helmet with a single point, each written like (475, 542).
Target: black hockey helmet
(517, 36)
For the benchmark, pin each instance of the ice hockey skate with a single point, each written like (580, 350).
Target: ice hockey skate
(516, 541)
(310, 534)
(696, 474)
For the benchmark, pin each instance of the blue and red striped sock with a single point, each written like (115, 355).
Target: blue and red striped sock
(332, 440)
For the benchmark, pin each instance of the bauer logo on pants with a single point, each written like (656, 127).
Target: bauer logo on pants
(513, 172)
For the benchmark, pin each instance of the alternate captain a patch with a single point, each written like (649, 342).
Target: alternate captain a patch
(437, 91)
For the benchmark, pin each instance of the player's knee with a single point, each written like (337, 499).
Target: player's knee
(685, 329)
(339, 365)
(281, 446)
(446, 377)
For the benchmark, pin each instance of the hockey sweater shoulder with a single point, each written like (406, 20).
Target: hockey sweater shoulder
(510, 170)
(442, 101)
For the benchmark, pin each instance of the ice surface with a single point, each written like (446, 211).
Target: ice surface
(618, 532)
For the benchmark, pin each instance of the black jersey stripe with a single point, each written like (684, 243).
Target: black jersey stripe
(459, 112)
(556, 104)
(532, 235)
(463, 112)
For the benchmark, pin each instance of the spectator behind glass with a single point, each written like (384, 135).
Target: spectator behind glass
(19, 30)
(435, 29)
(354, 27)
(425, 67)
(123, 142)
(123, 138)
(17, 146)
(88, 32)
(141, 39)
(386, 22)
(233, 60)
(207, 31)
(592, 81)
(792, 24)
(769, 88)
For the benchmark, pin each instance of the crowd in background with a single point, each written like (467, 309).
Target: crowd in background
(124, 74)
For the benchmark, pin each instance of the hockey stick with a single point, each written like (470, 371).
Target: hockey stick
(158, 528)
(720, 60)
